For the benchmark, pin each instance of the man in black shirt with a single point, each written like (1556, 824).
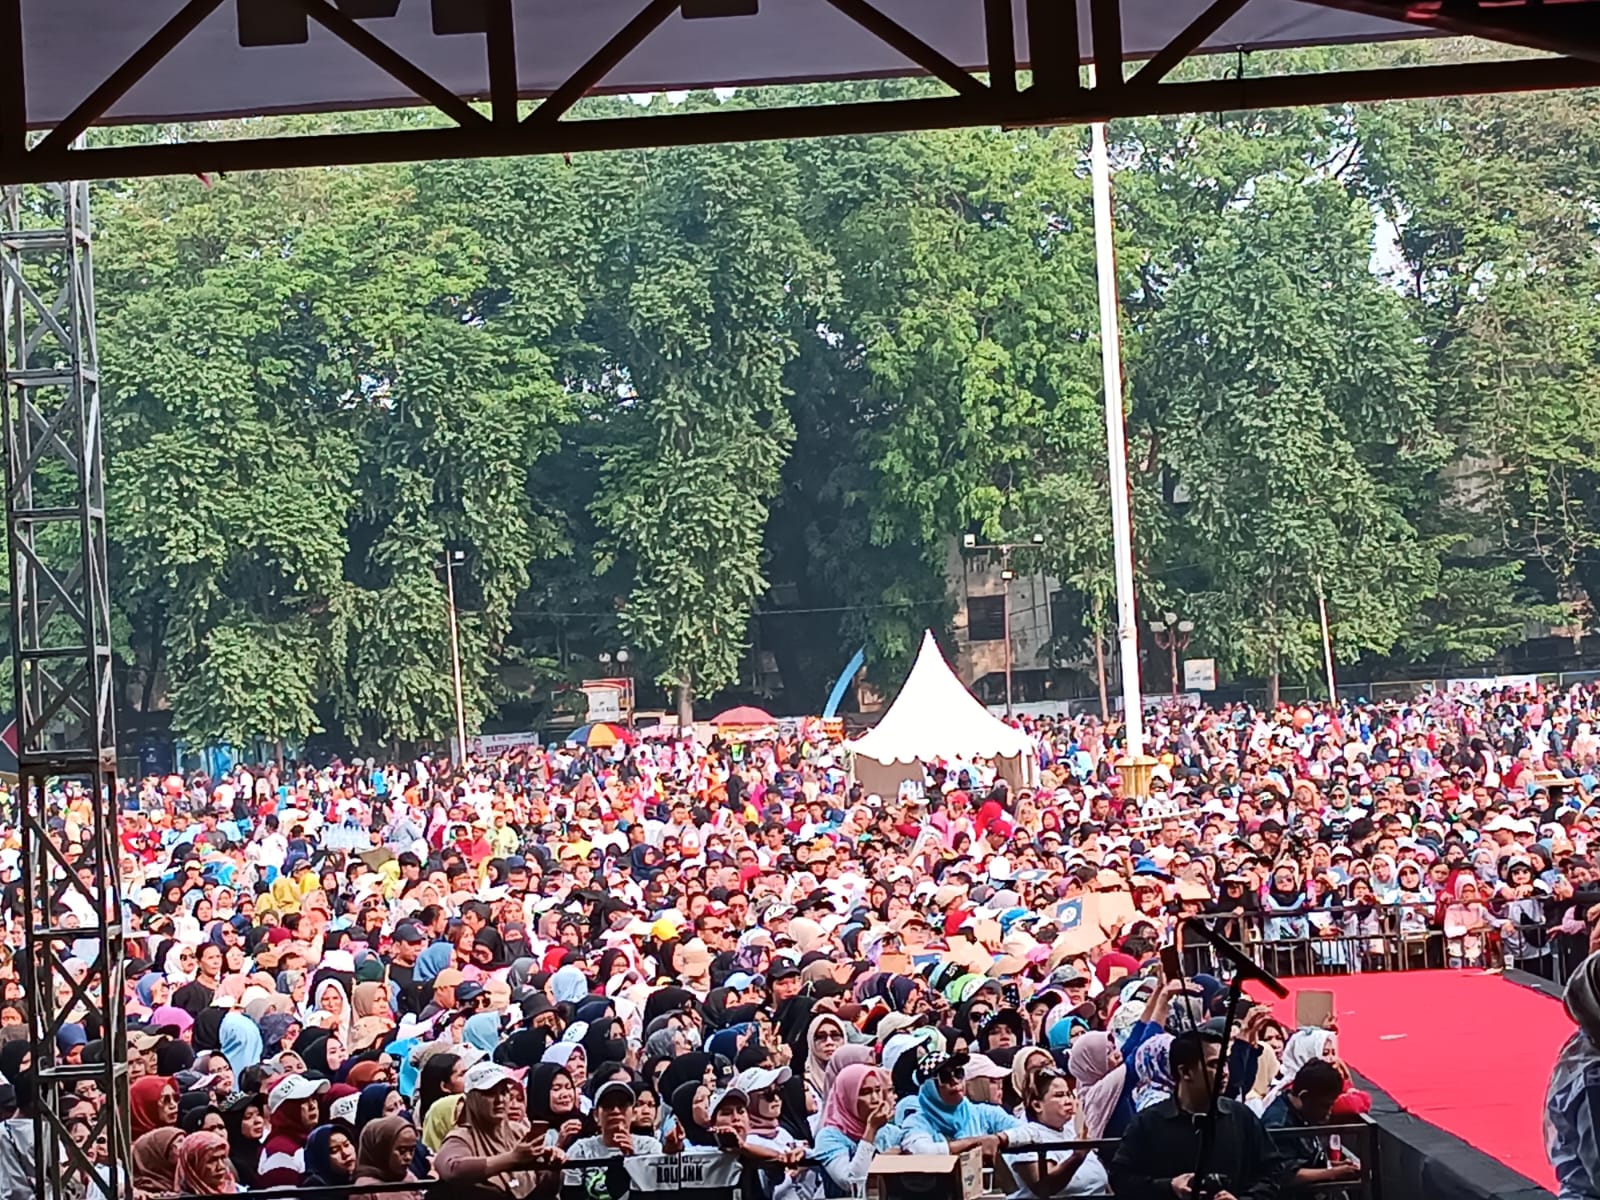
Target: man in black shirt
(409, 940)
(1305, 1104)
(1160, 1152)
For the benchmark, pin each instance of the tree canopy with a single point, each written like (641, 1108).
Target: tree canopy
(693, 400)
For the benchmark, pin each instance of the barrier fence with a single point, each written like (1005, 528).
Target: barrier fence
(1390, 937)
(1358, 1142)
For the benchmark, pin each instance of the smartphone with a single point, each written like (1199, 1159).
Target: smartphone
(1313, 1009)
(1171, 964)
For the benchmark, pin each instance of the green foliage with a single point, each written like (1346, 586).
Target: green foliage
(637, 390)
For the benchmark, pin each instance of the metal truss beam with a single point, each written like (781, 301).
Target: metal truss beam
(1557, 26)
(72, 960)
(1034, 106)
(1056, 95)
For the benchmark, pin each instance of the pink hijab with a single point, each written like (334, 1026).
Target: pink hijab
(1099, 1083)
(839, 1110)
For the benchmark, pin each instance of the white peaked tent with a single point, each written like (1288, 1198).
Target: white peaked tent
(935, 717)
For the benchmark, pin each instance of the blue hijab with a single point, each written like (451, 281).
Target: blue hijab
(370, 1106)
(241, 1042)
(726, 1041)
(146, 987)
(431, 961)
(320, 1171)
(482, 1031)
(948, 1121)
(568, 985)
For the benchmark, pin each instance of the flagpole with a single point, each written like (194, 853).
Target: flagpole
(1136, 764)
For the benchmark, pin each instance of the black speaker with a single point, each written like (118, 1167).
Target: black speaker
(271, 23)
(700, 10)
(460, 16)
(368, 10)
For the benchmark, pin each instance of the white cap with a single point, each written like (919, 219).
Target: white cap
(981, 1066)
(485, 1077)
(293, 1088)
(344, 1108)
(759, 1079)
(721, 1098)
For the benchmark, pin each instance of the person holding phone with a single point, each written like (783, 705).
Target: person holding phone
(487, 1149)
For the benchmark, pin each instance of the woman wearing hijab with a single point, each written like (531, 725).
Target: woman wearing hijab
(241, 1042)
(1305, 1045)
(858, 1106)
(487, 1147)
(244, 1117)
(570, 1055)
(330, 1158)
(329, 997)
(384, 1151)
(945, 1121)
(824, 1036)
(154, 1155)
(152, 1104)
(482, 1030)
(278, 1029)
(378, 1100)
(1152, 1070)
(690, 1104)
(204, 1167)
(373, 1017)
(1097, 1069)
(555, 1101)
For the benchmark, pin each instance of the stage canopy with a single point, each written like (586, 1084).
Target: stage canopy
(71, 45)
(69, 65)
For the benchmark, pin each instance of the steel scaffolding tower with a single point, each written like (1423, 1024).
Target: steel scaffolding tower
(72, 965)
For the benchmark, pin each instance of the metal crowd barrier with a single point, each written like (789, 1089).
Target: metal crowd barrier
(1391, 937)
(1362, 1130)
(999, 1180)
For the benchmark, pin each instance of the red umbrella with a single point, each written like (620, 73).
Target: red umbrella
(746, 716)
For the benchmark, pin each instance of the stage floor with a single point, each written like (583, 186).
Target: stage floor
(1468, 1052)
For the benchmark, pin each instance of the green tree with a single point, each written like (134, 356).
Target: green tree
(705, 261)
(1298, 421)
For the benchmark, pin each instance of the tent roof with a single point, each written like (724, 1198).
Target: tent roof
(70, 46)
(934, 716)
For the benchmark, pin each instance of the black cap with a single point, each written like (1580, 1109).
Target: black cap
(468, 991)
(409, 931)
(782, 969)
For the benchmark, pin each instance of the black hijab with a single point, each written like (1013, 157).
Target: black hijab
(694, 1133)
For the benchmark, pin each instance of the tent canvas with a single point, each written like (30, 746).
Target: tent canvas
(935, 717)
(70, 46)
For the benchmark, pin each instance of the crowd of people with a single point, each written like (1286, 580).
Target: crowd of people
(521, 975)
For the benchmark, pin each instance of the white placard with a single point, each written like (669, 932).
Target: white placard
(1200, 674)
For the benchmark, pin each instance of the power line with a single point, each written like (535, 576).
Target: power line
(771, 612)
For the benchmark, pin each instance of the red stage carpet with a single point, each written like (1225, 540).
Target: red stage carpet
(1465, 1051)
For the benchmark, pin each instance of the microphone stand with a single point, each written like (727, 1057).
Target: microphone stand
(1243, 968)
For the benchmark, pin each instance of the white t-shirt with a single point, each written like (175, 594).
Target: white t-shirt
(1090, 1179)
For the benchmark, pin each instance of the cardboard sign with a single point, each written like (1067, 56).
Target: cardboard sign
(1109, 910)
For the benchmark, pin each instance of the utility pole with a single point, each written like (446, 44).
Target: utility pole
(1173, 635)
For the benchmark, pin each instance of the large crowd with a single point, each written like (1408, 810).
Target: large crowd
(523, 974)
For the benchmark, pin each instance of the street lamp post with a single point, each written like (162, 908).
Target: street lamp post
(1173, 635)
(970, 542)
(452, 560)
(622, 658)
